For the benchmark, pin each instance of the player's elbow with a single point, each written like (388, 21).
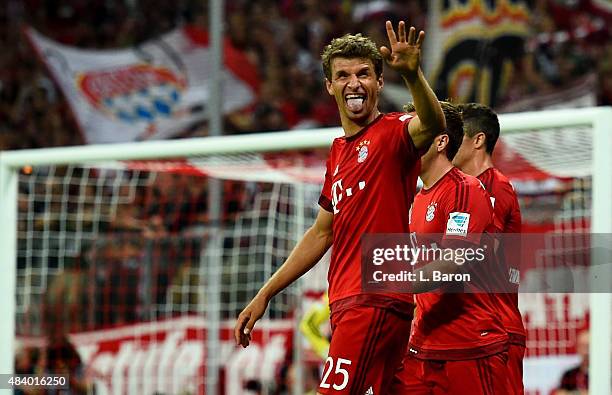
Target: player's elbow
(324, 234)
(434, 127)
(440, 118)
(427, 132)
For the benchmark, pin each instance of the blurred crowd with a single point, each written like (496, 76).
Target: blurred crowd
(570, 40)
(283, 38)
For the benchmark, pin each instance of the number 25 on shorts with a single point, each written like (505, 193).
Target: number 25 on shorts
(329, 365)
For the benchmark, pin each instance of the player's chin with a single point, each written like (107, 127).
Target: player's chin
(363, 113)
(359, 117)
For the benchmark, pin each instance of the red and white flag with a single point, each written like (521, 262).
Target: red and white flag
(152, 91)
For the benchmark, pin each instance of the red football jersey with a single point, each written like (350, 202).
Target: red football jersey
(369, 186)
(456, 210)
(508, 220)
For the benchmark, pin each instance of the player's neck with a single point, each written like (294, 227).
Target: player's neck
(351, 127)
(435, 170)
(479, 163)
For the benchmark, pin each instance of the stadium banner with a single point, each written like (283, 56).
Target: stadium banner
(169, 357)
(152, 91)
(472, 47)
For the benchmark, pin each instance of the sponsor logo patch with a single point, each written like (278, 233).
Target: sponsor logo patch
(458, 223)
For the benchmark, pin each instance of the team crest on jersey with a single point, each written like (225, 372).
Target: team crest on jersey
(431, 211)
(362, 151)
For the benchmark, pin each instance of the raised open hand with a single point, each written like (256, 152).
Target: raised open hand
(405, 53)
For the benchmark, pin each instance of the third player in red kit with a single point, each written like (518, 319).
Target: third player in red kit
(481, 131)
(458, 344)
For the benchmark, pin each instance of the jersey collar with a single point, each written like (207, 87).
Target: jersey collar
(362, 131)
(435, 184)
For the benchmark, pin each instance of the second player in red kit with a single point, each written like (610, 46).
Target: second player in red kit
(458, 344)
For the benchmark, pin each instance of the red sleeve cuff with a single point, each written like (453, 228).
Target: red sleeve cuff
(326, 204)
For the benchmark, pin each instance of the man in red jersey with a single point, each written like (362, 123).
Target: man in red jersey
(481, 131)
(369, 186)
(458, 344)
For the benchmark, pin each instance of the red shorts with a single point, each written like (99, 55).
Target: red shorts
(367, 346)
(516, 353)
(482, 376)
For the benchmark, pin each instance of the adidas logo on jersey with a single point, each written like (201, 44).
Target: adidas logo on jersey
(370, 391)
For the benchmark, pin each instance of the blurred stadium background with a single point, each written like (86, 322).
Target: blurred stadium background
(129, 273)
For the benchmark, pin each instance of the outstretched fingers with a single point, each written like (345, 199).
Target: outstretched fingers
(421, 38)
(411, 35)
(401, 31)
(412, 39)
(391, 33)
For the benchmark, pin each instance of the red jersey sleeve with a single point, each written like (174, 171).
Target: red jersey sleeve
(468, 213)
(325, 200)
(402, 142)
(504, 199)
(512, 220)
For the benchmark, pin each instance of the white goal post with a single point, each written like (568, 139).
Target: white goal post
(599, 120)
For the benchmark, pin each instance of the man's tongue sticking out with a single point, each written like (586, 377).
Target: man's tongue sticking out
(355, 104)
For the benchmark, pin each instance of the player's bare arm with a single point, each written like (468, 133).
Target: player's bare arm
(404, 56)
(308, 251)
